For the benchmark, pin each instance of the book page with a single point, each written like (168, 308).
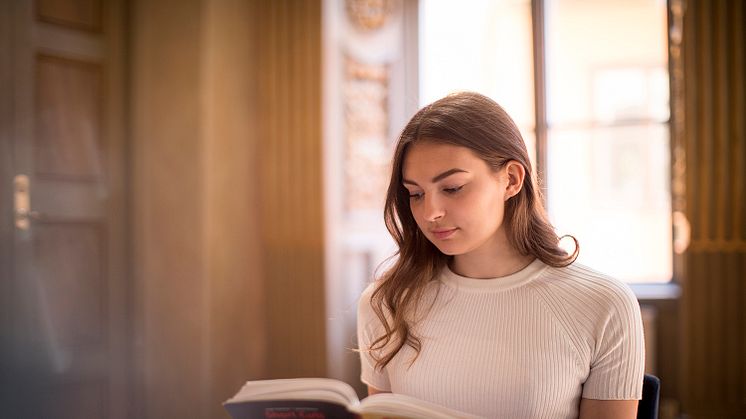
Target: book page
(399, 406)
(321, 389)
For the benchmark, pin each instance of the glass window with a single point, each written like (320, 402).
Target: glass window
(479, 45)
(607, 173)
(608, 140)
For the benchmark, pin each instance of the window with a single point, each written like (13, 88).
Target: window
(480, 45)
(607, 112)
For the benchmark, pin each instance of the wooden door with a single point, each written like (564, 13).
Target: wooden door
(64, 285)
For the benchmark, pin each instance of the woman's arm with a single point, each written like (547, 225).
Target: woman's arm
(372, 390)
(606, 409)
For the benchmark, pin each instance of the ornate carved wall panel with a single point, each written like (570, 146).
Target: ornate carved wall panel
(367, 146)
(370, 90)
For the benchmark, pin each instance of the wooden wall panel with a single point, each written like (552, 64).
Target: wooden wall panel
(234, 276)
(228, 234)
(290, 156)
(228, 243)
(168, 193)
(714, 278)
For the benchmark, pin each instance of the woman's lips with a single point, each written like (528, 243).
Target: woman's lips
(443, 234)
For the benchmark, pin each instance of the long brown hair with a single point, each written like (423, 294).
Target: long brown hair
(476, 122)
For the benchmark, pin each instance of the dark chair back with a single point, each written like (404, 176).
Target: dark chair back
(651, 393)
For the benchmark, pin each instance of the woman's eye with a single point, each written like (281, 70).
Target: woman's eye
(453, 190)
(415, 195)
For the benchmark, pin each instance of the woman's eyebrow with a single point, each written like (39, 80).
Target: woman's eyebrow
(437, 178)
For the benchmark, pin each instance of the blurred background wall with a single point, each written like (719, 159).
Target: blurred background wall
(226, 118)
(190, 194)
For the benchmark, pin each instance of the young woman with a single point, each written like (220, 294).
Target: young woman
(482, 311)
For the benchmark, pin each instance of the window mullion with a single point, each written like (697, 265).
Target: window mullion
(540, 94)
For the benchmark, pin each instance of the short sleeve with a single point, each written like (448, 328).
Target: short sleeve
(369, 328)
(618, 361)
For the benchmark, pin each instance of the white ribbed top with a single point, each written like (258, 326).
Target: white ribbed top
(530, 344)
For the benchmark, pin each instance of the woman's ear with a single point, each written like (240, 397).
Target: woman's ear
(515, 174)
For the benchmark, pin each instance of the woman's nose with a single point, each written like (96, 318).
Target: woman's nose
(433, 209)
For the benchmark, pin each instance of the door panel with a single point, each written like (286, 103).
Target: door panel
(79, 14)
(68, 259)
(83, 400)
(68, 118)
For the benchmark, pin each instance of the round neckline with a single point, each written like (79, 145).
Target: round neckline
(503, 283)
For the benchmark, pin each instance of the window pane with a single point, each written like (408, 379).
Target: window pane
(480, 45)
(608, 190)
(604, 53)
(608, 140)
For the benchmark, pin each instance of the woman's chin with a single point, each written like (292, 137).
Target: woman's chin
(448, 249)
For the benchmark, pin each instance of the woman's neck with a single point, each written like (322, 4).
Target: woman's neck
(491, 261)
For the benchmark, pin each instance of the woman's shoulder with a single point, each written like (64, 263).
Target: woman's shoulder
(365, 302)
(365, 312)
(589, 304)
(369, 290)
(586, 286)
(366, 296)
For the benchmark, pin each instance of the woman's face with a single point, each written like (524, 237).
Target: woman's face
(456, 199)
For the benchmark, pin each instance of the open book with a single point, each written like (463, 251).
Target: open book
(325, 398)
